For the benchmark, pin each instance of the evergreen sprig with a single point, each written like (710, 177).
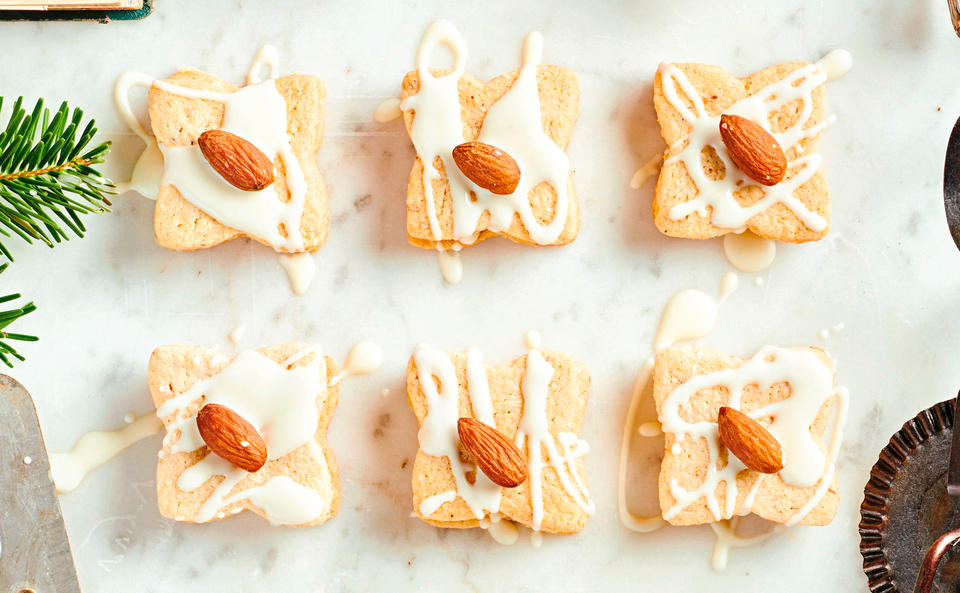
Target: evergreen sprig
(6, 318)
(47, 174)
(48, 180)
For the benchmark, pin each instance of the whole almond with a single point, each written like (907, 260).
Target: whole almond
(494, 453)
(488, 166)
(749, 441)
(754, 150)
(239, 162)
(231, 437)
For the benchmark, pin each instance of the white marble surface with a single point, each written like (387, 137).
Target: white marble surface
(887, 271)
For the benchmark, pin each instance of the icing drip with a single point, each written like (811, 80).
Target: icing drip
(279, 401)
(257, 113)
(688, 315)
(95, 448)
(645, 172)
(451, 268)
(363, 359)
(532, 340)
(388, 111)
(726, 532)
(691, 314)
(438, 433)
(747, 252)
(267, 56)
(503, 531)
(836, 64)
(513, 124)
(300, 269)
(716, 196)
(284, 501)
(805, 465)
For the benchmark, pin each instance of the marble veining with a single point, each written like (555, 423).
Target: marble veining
(107, 300)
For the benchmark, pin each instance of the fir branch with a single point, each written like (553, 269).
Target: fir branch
(6, 318)
(48, 176)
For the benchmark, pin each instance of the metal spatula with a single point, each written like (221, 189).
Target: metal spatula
(34, 551)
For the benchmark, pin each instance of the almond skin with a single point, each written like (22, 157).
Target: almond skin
(224, 431)
(749, 441)
(488, 166)
(494, 453)
(754, 150)
(239, 162)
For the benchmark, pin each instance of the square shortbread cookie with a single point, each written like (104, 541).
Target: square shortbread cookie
(559, 98)
(299, 488)
(801, 211)
(560, 503)
(177, 120)
(685, 461)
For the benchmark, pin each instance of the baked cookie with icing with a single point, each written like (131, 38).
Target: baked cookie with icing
(789, 393)
(274, 404)
(536, 402)
(198, 204)
(510, 175)
(705, 189)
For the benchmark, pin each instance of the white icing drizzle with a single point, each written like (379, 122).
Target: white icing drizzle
(532, 340)
(726, 538)
(502, 531)
(279, 401)
(363, 359)
(716, 196)
(749, 253)
(284, 501)
(300, 269)
(95, 448)
(650, 429)
(536, 539)
(688, 315)
(534, 432)
(267, 56)
(513, 124)
(388, 111)
(805, 465)
(691, 314)
(430, 504)
(836, 64)
(257, 113)
(438, 433)
(451, 268)
(646, 171)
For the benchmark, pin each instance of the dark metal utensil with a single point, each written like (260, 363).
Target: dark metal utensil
(34, 551)
(951, 183)
(931, 560)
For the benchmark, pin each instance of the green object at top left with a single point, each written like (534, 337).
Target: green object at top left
(49, 179)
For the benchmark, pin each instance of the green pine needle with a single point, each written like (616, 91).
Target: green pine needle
(6, 318)
(48, 180)
(48, 177)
